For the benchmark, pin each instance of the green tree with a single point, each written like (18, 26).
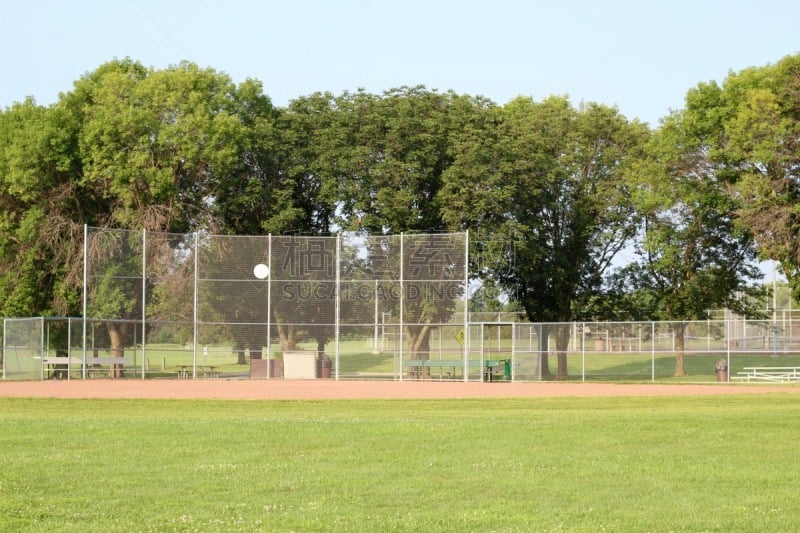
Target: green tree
(40, 199)
(154, 144)
(395, 149)
(306, 198)
(254, 192)
(389, 153)
(546, 177)
(131, 148)
(693, 256)
(752, 131)
(310, 148)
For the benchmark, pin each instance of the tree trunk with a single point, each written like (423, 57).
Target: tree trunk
(544, 345)
(419, 348)
(680, 347)
(287, 335)
(562, 345)
(116, 335)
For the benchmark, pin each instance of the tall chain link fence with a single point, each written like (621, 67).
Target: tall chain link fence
(200, 305)
(349, 307)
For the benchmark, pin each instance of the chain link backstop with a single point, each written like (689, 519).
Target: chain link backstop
(345, 307)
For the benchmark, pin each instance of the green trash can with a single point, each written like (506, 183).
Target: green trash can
(507, 369)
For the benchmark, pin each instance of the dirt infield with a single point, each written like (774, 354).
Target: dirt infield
(330, 389)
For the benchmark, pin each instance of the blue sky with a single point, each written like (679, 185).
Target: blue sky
(640, 56)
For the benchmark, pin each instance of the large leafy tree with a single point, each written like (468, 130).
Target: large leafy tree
(309, 149)
(41, 199)
(128, 147)
(288, 187)
(547, 177)
(154, 144)
(395, 149)
(247, 198)
(391, 152)
(305, 199)
(751, 127)
(157, 145)
(184, 148)
(693, 255)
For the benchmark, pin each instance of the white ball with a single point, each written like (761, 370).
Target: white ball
(261, 271)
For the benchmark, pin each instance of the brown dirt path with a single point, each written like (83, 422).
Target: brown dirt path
(330, 389)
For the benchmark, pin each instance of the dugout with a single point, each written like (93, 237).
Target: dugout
(54, 348)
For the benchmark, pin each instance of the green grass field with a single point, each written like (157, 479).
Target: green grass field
(712, 463)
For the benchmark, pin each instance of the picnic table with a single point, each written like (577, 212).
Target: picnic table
(208, 371)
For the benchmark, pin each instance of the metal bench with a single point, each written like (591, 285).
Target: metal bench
(98, 366)
(780, 374)
(490, 366)
(95, 366)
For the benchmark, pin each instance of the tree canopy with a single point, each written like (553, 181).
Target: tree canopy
(749, 126)
(550, 191)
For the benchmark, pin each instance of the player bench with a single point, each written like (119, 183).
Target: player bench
(95, 366)
(781, 374)
(455, 367)
(98, 366)
(59, 366)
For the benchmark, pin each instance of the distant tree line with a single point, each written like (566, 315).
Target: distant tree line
(551, 192)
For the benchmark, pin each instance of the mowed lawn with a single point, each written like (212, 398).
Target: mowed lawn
(712, 463)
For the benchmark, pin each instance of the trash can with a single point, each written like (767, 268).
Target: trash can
(324, 366)
(507, 369)
(722, 370)
(258, 368)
